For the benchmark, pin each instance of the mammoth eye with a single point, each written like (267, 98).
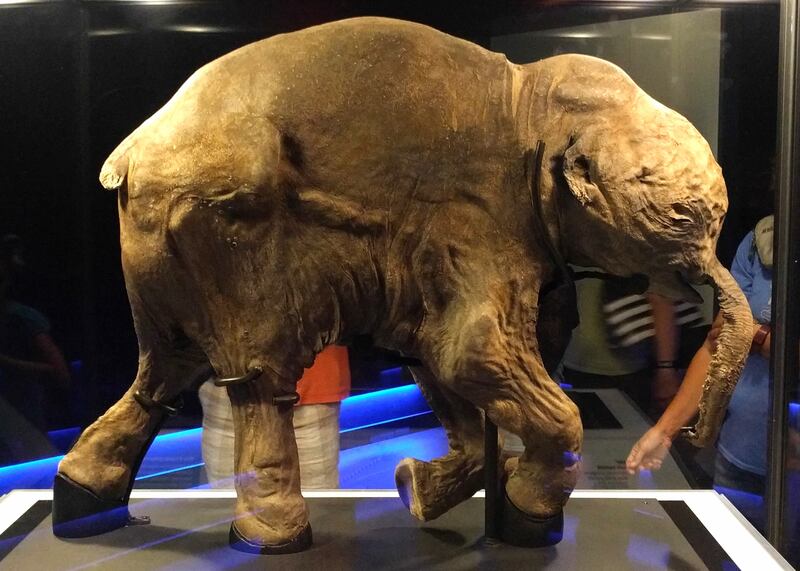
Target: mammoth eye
(583, 166)
(582, 161)
(682, 213)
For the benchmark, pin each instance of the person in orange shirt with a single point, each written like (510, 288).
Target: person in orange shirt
(316, 423)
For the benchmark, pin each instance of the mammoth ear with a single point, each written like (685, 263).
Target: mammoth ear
(114, 171)
(578, 172)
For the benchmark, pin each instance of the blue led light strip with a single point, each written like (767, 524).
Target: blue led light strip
(381, 407)
(357, 412)
(170, 471)
(387, 421)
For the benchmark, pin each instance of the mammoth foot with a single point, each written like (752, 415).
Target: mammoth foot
(78, 512)
(300, 542)
(429, 489)
(532, 512)
(405, 480)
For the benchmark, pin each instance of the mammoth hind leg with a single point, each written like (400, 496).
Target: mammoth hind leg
(271, 515)
(431, 488)
(94, 480)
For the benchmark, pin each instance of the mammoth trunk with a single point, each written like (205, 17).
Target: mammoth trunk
(733, 346)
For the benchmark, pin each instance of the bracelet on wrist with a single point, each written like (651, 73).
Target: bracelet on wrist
(665, 365)
(760, 337)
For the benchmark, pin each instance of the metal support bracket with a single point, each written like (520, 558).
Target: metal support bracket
(287, 399)
(147, 402)
(138, 520)
(249, 376)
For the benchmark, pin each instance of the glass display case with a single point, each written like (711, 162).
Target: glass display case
(77, 77)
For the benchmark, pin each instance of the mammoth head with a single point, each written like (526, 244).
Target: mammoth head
(644, 185)
(648, 197)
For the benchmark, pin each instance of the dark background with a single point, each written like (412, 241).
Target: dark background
(77, 77)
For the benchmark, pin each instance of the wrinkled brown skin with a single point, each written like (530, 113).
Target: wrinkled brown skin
(368, 176)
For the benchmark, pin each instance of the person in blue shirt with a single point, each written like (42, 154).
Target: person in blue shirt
(741, 464)
(30, 361)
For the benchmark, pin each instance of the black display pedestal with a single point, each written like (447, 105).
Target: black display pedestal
(373, 530)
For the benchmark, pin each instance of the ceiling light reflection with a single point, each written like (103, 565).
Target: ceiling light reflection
(196, 29)
(111, 32)
(654, 37)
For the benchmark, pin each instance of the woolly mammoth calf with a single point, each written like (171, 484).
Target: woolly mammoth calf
(377, 177)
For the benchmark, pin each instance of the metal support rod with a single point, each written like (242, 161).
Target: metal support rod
(492, 482)
(784, 369)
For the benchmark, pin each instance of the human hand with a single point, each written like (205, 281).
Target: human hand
(649, 452)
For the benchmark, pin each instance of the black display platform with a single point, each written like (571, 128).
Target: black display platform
(191, 533)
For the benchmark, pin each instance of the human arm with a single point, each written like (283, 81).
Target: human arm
(649, 452)
(666, 379)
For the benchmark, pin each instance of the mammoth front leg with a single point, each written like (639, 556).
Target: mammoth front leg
(94, 480)
(541, 480)
(271, 515)
(510, 383)
(494, 362)
(429, 489)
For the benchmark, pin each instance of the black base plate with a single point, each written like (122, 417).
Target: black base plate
(77, 512)
(365, 533)
(524, 530)
(299, 543)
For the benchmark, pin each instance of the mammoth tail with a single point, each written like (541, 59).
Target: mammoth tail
(115, 169)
